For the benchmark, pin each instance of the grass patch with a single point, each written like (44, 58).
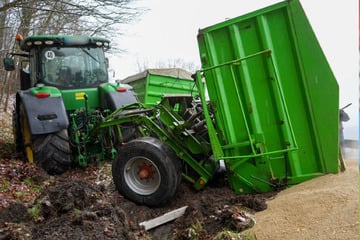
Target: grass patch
(4, 186)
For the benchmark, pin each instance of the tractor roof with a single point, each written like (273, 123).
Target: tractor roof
(62, 41)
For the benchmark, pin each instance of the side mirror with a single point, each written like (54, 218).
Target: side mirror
(9, 64)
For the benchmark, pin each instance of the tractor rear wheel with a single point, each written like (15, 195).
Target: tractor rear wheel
(147, 171)
(52, 151)
(49, 151)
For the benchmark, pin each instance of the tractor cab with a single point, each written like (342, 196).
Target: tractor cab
(65, 62)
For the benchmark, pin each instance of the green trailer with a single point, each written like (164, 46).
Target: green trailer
(276, 98)
(268, 114)
(151, 84)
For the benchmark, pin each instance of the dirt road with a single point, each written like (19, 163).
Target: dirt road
(324, 208)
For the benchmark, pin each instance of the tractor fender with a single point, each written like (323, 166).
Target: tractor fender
(44, 115)
(114, 99)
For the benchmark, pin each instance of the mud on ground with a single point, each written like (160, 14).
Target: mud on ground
(83, 204)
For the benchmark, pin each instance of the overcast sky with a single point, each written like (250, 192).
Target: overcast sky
(168, 31)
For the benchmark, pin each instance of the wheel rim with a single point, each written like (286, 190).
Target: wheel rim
(142, 175)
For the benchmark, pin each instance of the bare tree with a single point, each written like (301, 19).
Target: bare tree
(169, 63)
(80, 17)
(90, 17)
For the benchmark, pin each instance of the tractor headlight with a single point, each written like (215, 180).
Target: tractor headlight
(49, 42)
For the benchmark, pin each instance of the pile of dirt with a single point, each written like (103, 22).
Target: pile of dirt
(82, 205)
(77, 209)
(68, 209)
(209, 211)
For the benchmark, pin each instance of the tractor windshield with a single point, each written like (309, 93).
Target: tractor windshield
(78, 67)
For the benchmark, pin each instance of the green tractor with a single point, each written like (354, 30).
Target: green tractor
(64, 92)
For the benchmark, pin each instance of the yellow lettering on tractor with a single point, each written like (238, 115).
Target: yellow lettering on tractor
(79, 96)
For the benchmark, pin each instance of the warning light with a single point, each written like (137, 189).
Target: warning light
(19, 37)
(121, 89)
(42, 95)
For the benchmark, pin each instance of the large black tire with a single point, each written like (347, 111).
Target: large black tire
(49, 151)
(147, 171)
(52, 152)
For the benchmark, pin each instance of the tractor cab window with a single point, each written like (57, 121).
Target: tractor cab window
(73, 67)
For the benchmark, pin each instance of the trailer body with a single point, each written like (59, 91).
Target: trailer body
(151, 84)
(275, 98)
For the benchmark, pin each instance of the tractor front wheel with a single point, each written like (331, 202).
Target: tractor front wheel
(147, 171)
(49, 151)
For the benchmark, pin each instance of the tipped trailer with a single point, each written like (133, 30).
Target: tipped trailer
(270, 116)
(276, 98)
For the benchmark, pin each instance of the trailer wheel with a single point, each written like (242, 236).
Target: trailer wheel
(49, 151)
(147, 171)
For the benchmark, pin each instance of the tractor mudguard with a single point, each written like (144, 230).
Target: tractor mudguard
(45, 115)
(116, 100)
(114, 96)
